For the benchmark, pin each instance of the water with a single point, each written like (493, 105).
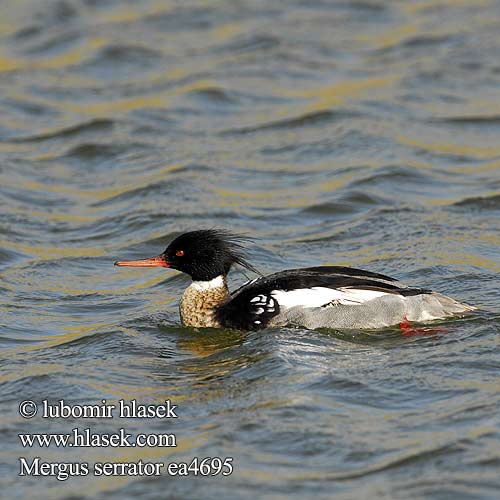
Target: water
(351, 133)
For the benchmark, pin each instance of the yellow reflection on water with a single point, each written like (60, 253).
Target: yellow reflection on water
(294, 195)
(445, 250)
(328, 96)
(52, 252)
(148, 177)
(158, 99)
(7, 63)
(71, 57)
(388, 38)
(225, 31)
(31, 370)
(135, 11)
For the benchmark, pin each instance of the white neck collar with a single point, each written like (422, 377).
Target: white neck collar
(209, 285)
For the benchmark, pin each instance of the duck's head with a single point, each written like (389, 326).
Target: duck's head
(203, 254)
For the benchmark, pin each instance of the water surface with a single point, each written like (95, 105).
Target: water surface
(352, 133)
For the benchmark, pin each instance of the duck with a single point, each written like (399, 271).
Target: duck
(335, 297)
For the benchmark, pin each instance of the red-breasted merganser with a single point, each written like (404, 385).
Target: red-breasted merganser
(313, 297)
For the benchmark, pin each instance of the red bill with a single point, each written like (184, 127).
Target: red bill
(158, 261)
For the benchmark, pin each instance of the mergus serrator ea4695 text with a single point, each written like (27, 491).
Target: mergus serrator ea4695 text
(313, 297)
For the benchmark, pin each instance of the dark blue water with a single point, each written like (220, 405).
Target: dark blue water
(353, 133)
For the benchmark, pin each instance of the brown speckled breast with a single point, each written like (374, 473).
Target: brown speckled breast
(197, 306)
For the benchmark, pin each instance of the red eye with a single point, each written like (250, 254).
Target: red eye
(179, 253)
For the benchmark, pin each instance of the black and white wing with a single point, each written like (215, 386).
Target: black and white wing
(281, 297)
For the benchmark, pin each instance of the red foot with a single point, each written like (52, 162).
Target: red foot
(408, 331)
(405, 324)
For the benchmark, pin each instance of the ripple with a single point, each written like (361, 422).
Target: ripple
(352, 202)
(357, 133)
(393, 174)
(95, 125)
(28, 32)
(215, 95)
(94, 153)
(53, 45)
(118, 61)
(182, 18)
(470, 120)
(256, 42)
(480, 202)
(427, 40)
(307, 119)
(120, 224)
(162, 188)
(30, 108)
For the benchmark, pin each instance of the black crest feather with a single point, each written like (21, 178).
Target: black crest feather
(208, 253)
(234, 244)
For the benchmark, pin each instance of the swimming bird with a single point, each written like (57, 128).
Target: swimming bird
(312, 297)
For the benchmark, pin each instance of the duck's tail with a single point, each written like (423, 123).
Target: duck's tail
(450, 307)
